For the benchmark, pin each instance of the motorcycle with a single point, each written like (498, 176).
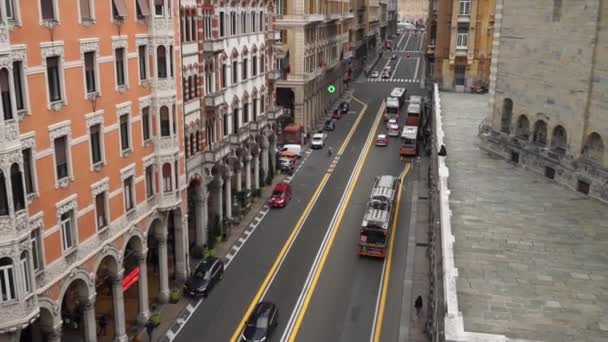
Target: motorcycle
(479, 88)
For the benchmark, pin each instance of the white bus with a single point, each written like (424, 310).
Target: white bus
(392, 109)
(399, 94)
(409, 134)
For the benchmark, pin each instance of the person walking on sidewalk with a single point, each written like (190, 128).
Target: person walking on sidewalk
(418, 306)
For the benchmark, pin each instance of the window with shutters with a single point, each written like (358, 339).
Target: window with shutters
(17, 187)
(167, 181)
(165, 127)
(61, 157)
(36, 241)
(161, 61)
(149, 181)
(5, 90)
(101, 211)
(129, 194)
(28, 168)
(53, 79)
(90, 71)
(121, 68)
(26, 278)
(20, 88)
(67, 230)
(95, 136)
(142, 10)
(146, 124)
(222, 25)
(125, 134)
(86, 10)
(142, 56)
(119, 10)
(7, 280)
(48, 10)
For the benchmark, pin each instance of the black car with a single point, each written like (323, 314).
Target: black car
(261, 322)
(330, 125)
(344, 107)
(207, 274)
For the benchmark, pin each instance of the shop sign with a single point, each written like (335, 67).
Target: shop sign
(130, 279)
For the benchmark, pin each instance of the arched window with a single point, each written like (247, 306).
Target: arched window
(559, 140)
(540, 133)
(7, 280)
(3, 196)
(161, 61)
(167, 177)
(507, 113)
(165, 126)
(594, 148)
(522, 130)
(198, 141)
(24, 265)
(17, 187)
(5, 90)
(192, 146)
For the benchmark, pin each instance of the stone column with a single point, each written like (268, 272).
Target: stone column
(204, 215)
(239, 181)
(248, 172)
(55, 334)
(256, 172)
(181, 262)
(220, 210)
(90, 325)
(142, 288)
(264, 152)
(228, 194)
(199, 217)
(163, 296)
(120, 330)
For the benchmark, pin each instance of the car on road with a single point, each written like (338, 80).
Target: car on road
(344, 107)
(281, 194)
(386, 75)
(293, 148)
(393, 130)
(394, 57)
(204, 278)
(374, 74)
(261, 323)
(286, 161)
(391, 122)
(330, 125)
(318, 140)
(381, 140)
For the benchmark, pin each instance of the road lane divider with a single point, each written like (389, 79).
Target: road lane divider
(270, 276)
(386, 267)
(295, 321)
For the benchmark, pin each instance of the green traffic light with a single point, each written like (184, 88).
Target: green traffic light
(331, 89)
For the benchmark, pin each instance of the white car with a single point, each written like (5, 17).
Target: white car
(391, 122)
(318, 140)
(393, 130)
(374, 74)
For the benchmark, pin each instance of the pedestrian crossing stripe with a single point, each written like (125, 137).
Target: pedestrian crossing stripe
(403, 80)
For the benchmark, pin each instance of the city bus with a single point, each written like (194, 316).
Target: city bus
(392, 108)
(377, 220)
(399, 94)
(409, 143)
(413, 114)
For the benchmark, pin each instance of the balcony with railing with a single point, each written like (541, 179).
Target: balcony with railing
(214, 46)
(216, 152)
(215, 99)
(260, 122)
(276, 74)
(274, 35)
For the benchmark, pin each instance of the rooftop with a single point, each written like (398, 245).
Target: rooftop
(532, 256)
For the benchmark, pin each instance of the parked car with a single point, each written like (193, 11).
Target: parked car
(344, 107)
(286, 161)
(330, 125)
(293, 148)
(281, 194)
(337, 114)
(374, 74)
(204, 278)
(381, 140)
(261, 323)
(318, 140)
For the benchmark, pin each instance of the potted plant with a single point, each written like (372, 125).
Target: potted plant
(154, 318)
(175, 296)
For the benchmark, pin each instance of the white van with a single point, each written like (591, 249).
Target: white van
(293, 148)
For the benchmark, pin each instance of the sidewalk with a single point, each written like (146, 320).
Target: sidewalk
(173, 315)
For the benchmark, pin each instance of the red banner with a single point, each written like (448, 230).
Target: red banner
(130, 279)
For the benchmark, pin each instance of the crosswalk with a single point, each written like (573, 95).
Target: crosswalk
(402, 80)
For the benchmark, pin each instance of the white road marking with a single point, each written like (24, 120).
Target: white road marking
(235, 248)
(247, 232)
(171, 335)
(190, 308)
(241, 240)
(229, 256)
(416, 71)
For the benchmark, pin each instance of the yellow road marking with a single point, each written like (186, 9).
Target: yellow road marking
(300, 316)
(387, 271)
(237, 332)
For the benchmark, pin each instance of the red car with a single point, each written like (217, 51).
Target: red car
(381, 140)
(280, 195)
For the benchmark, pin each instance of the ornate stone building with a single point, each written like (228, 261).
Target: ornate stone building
(412, 10)
(548, 104)
(311, 55)
(230, 142)
(92, 181)
(459, 42)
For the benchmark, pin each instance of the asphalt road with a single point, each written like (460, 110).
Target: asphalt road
(342, 308)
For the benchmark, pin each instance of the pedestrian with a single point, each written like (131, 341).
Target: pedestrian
(150, 326)
(418, 306)
(103, 323)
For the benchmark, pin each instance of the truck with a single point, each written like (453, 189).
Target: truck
(292, 134)
(376, 227)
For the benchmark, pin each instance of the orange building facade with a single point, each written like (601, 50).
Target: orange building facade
(93, 184)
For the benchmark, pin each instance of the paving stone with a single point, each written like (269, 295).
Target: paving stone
(531, 255)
